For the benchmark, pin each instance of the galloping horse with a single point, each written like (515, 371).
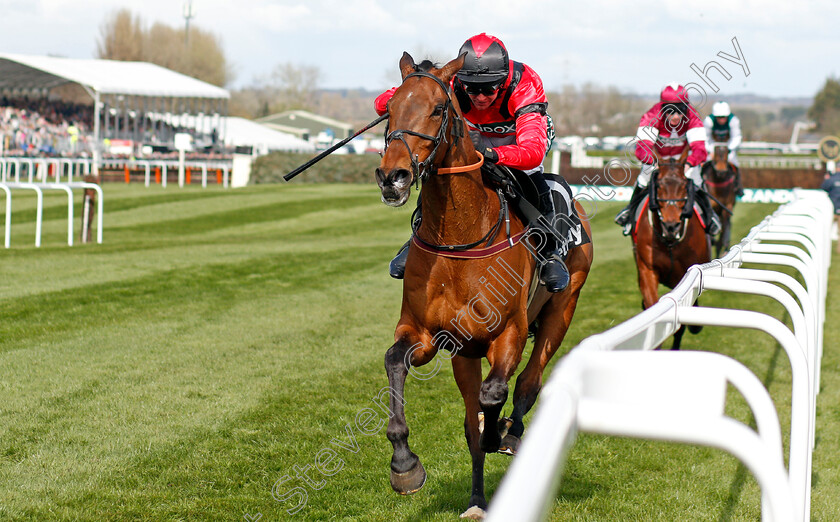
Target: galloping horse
(464, 291)
(669, 236)
(720, 180)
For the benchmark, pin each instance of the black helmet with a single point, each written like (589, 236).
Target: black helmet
(486, 60)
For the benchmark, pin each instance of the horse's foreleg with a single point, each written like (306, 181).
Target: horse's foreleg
(503, 354)
(649, 286)
(727, 235)
(468, 376)
(407, 473)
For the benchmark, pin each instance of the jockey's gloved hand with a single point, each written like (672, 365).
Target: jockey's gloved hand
(478, 140)
(490, 155)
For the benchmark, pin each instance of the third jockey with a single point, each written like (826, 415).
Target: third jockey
(505, 107)
(724, 127)
(669, 127)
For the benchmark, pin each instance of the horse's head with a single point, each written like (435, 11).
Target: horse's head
(721, 157)
(671, 187)
(423, 125)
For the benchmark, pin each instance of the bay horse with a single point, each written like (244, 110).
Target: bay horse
(460, 295)
(669, 236)
(719, 176)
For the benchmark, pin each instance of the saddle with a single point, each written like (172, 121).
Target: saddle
(521, 192)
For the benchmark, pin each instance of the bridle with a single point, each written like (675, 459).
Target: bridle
(420, 170)
(657, 203)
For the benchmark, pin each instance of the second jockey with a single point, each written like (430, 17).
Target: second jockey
(668, 128)
(505, 107)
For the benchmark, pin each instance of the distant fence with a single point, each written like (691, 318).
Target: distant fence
(160, 171)
(596, 388)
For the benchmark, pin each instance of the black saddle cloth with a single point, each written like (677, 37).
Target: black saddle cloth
(523, 195)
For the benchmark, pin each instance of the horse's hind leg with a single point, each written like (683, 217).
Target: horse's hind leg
(678, 338)
(407, 473)
(554, 321)
(468, 377)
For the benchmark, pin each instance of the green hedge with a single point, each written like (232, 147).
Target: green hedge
(336, 168)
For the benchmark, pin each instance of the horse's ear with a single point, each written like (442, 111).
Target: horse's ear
(407, 65)
(684, 154)
(656, 156)
(449, 70)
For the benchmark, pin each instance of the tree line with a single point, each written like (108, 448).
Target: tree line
(586, 110)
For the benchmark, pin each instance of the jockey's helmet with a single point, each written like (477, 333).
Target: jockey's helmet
(721, 110)
(674, 97)
(486, 61)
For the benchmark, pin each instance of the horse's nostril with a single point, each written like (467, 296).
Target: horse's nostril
(401, 175)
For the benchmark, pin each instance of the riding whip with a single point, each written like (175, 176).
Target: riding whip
(332, 149)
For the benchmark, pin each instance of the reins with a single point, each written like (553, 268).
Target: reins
(465, 168)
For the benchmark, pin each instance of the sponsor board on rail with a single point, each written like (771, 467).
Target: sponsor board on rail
(609, 193)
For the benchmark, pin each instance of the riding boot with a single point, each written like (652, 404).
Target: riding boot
(739, 189)
(553, 272)
(396, 268)
(713, 224)
(625, 217)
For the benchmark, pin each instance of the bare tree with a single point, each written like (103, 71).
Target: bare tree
(287, 87)
(121, 37)
(295, 86)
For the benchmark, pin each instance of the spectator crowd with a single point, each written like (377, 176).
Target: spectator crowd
(42, 127)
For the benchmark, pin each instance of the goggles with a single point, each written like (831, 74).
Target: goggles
(486, 89)
(672, 108)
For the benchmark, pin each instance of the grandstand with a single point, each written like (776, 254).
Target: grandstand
(73, 107)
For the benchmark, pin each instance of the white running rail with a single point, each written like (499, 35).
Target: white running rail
(37, 179)
(567, 406)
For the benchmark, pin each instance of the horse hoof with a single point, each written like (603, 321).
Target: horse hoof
(474, 513)
(695, 328)
(509, 445)
(410, 481)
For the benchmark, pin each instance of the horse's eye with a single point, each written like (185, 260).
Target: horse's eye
(438, 110)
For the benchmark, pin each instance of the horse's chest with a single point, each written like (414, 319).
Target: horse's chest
(476, 317)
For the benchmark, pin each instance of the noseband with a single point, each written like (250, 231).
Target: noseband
(421, 170)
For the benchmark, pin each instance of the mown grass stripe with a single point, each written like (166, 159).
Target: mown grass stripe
(178, 376)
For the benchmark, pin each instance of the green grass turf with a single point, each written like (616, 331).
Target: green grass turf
(219, 339)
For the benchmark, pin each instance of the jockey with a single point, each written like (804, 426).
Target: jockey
(724, 127)
(504, 105)
(673, 125)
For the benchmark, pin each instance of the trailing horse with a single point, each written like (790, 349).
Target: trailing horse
(721, 181)
(468, 278)
(669, 236)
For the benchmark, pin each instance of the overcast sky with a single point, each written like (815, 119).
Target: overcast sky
(789, 47)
